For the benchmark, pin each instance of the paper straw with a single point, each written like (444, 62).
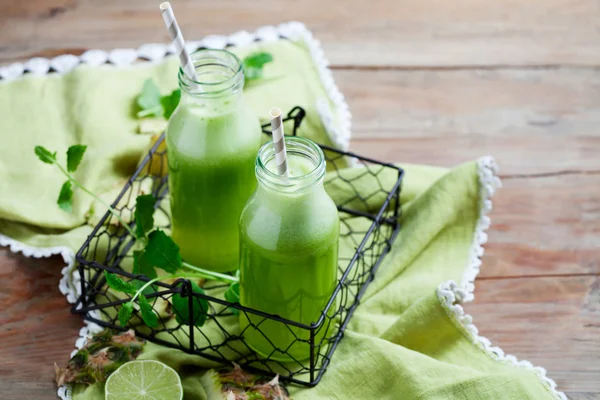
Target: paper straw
(184, 57)
(279, 142)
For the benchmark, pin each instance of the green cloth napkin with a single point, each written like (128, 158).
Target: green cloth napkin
(409, 338)
(95, 106)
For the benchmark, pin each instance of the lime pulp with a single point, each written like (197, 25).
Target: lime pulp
(144, 380)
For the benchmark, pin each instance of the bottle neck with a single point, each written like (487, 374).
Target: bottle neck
(306, 166)
(219, 78)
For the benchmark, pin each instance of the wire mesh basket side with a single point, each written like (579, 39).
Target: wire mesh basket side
(368, 226)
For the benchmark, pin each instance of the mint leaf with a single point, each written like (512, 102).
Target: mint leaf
(144, 214)
(232, 295)
(258, 60)
(170, 102)
(148, 315)
(74, 156)
(181, 308)
(142, 266)
(162, 252)
(65, 197)
(148, 100)
(253, 65)
(118, 284)
(45, 155)
(125, 313)
(148, 290)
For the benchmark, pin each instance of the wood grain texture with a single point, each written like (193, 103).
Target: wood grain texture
(525, 156)
(505, 103)
(532, 121)
(429, 33)
(36, 326)
(552, 322)
(545, 226)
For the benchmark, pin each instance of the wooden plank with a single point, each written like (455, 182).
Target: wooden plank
(508, 103)
(552, 322)
(548, 225)
(387, 33)
(583, 396)
(37, 329)
(516, 155)
(532, 121)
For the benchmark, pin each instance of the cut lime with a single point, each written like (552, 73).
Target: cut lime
(144, 380)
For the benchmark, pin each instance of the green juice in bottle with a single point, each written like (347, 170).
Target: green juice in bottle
(212, 140)
(289, 234)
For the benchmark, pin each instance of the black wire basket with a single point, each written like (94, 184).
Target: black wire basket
(368, 230)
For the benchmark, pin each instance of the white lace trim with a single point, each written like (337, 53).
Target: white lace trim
(450, 296)
(154, 52)
(489, 182)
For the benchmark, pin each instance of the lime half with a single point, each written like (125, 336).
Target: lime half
(144, 380)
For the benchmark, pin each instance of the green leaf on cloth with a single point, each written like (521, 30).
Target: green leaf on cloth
(148, 315)
(253, 65)
(125, 313)
(144, 214)
(162, 252)
(45, 155)
(65, 197)
(181, 308)
(170, 102)
(148, 100)
(74, 156)
(118, 284)
(142, 266)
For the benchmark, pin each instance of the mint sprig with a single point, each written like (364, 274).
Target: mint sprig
(162, 252)
(144, 214)
(159, 250)
(74, 156)
(169, 102)
(150, 102)
(181, 308)
(254, 63)
(65, 197)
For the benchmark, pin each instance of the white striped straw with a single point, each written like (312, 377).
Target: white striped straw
(184, 57)
(279, 142)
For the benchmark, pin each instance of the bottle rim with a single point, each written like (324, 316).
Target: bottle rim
(232, 80)
(295, 146)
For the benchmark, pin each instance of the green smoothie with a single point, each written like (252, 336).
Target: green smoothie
(289, 256)
(212, 140)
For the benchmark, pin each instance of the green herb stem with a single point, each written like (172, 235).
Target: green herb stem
(159, 278)
(98, 199)
(212, 275)
(150, 282)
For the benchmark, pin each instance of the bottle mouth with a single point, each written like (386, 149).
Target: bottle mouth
(217, 71)
(296, 147)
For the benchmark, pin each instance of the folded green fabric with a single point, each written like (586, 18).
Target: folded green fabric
(408, 339)
(94, 105)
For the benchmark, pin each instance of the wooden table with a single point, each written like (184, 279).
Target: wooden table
(437, 82)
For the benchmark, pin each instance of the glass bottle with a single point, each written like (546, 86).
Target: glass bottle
(289, 233)
(212, 139)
